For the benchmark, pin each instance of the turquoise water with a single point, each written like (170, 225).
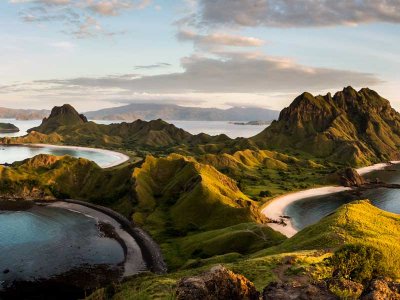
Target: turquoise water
(10, 154)
(46, 241)
(310, 210)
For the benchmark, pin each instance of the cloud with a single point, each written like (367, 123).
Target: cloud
(218, 39)
(231, 73)
(154, 66)
(115, 7)
(78, 17)
(299, 13)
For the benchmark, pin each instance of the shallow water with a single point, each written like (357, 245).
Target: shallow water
(10, 154)
(46, 241)
(310, 210)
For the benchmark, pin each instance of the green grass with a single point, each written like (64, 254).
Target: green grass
(357, 222)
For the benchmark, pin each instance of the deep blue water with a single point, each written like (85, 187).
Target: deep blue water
(310, 210)
(46, 241)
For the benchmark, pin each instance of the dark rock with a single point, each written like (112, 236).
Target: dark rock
(218, 283)
(6, 271)
(293, 290)
(349, 177)
(381, 289)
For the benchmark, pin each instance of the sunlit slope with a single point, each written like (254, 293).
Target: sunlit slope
(358, 222)
(190, 195)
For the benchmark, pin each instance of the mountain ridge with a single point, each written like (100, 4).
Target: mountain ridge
(351, 127)
(146, 111)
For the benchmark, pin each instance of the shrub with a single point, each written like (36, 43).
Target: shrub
(358, 263)
(265, 194)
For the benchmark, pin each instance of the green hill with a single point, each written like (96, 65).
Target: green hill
(351, 127)
(358, 222)
(66, 126)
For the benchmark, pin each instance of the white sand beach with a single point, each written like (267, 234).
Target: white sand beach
(120, 158)
(277, 207)
(134, 262)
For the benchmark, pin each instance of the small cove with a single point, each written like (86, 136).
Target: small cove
(310, 210)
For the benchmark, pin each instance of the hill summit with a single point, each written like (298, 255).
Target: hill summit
(353, 127)
(60, 116)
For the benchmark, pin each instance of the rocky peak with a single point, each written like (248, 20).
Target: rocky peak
(60, 116)
(67, 112)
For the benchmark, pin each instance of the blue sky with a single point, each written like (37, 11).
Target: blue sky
(102, 53)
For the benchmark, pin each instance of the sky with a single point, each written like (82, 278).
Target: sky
(95, 54)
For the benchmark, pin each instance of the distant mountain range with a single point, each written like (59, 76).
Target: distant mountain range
(23, 114)
(145, 111)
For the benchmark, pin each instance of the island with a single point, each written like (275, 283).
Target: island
(8, 128)
(256, 123)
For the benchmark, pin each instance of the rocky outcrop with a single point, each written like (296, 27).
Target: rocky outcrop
(381, 289)
(293, 290)
(349, 177)
(218, 283)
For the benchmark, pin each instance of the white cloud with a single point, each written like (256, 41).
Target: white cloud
(231, 73)
(218, 39)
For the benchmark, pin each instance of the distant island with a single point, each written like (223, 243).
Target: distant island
(23, 114)
(145, 111)
(254, 123)
(8, 128)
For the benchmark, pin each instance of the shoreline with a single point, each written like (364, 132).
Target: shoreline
(149, 249)
(134, 261)
(121, 158)
(277, 206)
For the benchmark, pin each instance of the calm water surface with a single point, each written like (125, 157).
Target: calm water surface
(45, 241)
(10, 154)
(310, 210)
(194, 127)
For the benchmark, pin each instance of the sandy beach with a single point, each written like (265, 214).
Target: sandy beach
(134, 262)
(276, 208)
(120, 158)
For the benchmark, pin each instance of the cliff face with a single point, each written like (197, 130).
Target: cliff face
(352, 127)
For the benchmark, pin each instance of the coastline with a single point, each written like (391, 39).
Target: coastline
(149, 249)
(134, 262)
(277, 206)
(121, 158)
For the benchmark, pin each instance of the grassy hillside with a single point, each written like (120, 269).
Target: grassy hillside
(66, 126)
(181, 202)
(356, 223)
(356, 128)
(264, 174)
